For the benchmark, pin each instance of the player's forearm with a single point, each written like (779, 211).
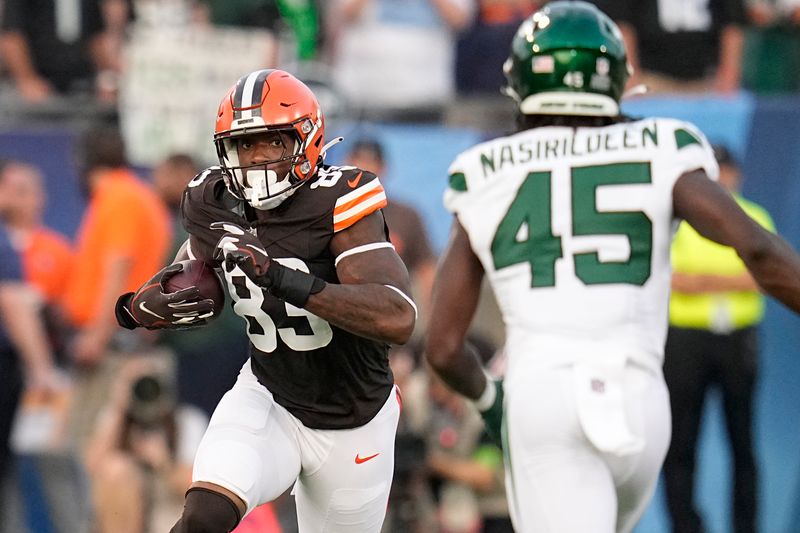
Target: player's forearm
(368, 310)
(775, 267)
(455, 299)
(456, 364)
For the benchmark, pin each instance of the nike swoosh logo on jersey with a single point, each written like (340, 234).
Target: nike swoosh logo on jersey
(149, 312)
(360, 460)
(354, 182)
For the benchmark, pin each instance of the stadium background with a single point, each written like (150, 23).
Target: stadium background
(763, 132)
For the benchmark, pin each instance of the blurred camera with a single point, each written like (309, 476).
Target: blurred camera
(151, 400)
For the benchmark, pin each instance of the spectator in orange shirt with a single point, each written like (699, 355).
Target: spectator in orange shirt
(124, 237)
(26, 361)
(46, 254)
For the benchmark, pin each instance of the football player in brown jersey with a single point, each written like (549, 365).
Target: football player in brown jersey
(305, 253)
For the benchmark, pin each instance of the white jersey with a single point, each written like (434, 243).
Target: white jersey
(573, 228)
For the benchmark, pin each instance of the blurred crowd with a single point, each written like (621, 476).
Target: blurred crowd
(126, 409)
(411, 59)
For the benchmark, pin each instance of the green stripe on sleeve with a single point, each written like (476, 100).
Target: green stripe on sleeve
(458, 181)
(685, 137)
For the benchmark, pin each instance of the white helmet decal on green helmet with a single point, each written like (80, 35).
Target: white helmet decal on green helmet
(567, 59)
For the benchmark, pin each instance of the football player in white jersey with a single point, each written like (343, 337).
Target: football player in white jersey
(571, 219)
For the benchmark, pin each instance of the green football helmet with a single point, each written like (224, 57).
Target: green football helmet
(568, 58)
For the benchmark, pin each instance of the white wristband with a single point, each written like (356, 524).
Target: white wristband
(487, 397)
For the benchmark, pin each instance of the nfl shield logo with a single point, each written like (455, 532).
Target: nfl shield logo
(602, 66)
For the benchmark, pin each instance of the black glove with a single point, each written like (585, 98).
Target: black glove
(150, 307)
(493, 416)
(241, 248)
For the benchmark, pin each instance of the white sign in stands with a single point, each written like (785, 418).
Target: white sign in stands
(173, 82)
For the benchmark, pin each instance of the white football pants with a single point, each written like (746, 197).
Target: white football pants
(257, 449)
(584, 447)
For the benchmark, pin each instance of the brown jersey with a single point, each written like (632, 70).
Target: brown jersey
(327, 377)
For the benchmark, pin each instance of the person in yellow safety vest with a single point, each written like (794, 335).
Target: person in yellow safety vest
(715, 309)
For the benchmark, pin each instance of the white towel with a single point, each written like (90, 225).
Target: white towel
(600, 396)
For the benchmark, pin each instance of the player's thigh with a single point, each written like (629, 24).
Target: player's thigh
(648, 413)
(555, 480)
(349, 490)
(249, 447)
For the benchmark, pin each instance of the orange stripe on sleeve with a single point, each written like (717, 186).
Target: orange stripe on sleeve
(347, 222)
(354, 206)
(346, 206)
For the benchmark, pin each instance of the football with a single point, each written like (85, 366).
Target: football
(197, 273)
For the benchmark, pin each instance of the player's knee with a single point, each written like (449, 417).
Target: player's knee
(206, 511)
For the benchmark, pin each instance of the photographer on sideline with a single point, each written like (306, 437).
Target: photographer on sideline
(140, 454)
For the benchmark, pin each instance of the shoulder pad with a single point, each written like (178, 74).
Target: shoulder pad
(355, 193)
(209, 186)
(692, 149)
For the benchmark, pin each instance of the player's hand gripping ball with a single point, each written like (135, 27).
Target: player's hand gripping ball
(197, 273)
(184, 295)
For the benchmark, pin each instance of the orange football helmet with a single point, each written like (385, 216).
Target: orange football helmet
(267, 101)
